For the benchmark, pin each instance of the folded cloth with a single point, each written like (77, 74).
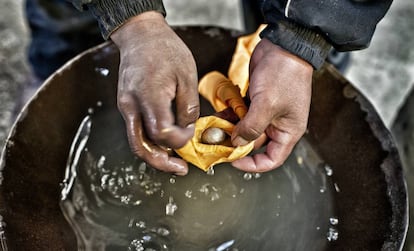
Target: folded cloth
(222, 93)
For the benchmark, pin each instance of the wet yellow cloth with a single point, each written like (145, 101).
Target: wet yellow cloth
(222, 93)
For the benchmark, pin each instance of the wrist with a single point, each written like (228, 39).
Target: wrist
(143, 24)
(288, 58)
(112, 14)
(305, 43)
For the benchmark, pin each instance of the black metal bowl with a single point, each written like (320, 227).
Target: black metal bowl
(343, 125)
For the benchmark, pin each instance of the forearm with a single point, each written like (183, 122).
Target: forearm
(111, 14)
(309, 28)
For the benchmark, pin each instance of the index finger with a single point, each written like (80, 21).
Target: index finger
(160, 124)
(154, 155)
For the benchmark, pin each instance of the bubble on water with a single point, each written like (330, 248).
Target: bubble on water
(241, 190)
(257, 175)
(188, 194)
(136, 245)
(214, 196)
(247, 176)
(90, 110)
(99, 103)
(225, 246)
(318, 228)
(210, 171)
(279, 196)
(101, 162)
(171, 207)
(332, 234)
(328, 170)
(139, 224)
(162, 231)
(172, 180)
(337, 188)
(334, 221)
(126, 199)
(137, 202)
(210, 191)
(103, 71)
(142, 168)
(322, 189)
(299, 160)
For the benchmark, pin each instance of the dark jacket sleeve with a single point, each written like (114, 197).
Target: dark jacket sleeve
(113, 13)
(308, 28)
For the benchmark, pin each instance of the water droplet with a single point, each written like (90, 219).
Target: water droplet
(299, 159)
(332, 234)
(328, 170)
(90, 110)
(171, 207)
(337, 188)
(247, 176)
(138, 202)
(126, 198)
(99, 103)
(333, 221)
(163, 231)
(188, 194)
(101, 162)
(210, 171)
(225, 246)
(147, 238)
(257, 175)
(103, 71)
(278, 196)
(322, 190)
(214, 196)
(140, 224)
(172, 180)
(142, 168)
(318, 228)
(136, 245)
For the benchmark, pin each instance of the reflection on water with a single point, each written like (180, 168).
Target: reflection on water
(114, 201)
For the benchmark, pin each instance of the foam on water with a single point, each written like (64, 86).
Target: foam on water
(115, 201)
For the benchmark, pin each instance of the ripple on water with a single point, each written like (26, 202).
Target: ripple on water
(116, 200)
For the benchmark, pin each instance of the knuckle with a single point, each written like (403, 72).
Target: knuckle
(249, 131)
(124, 101)
(191, 114)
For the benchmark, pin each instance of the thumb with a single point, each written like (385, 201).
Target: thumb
(257, 119)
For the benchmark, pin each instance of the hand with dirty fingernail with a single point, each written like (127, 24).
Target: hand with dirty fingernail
(156, 68)
(280, 94)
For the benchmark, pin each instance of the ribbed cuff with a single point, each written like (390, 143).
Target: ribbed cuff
(298, 40)
(113, 13)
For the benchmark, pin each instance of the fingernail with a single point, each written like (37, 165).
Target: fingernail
(181, 170)
(192, 125)
(239, 141)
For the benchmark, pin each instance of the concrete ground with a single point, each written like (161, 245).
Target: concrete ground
(384, 72)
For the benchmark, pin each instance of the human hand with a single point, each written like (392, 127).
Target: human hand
(156, 68)
(280, 94)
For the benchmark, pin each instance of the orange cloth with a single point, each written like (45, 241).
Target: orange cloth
(223, 93)
(239, 67)
(205, 156)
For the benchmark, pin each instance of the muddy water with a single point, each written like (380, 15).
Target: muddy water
(114, 201)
